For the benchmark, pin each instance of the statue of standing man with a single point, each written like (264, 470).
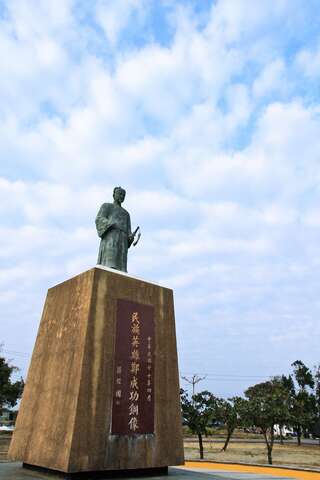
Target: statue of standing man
(114, 228)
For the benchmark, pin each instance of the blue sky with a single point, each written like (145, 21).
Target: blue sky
(208, 113)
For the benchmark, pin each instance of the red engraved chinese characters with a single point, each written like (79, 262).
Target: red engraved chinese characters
(133, 387)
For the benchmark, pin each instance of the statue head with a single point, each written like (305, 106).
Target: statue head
(119, 194)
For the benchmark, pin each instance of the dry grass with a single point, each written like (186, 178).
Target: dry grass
(4, 446)
(289, 454)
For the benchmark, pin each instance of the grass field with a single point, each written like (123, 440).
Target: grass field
(288, 454)
(4, 445)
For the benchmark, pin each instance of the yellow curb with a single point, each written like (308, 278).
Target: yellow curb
(278, 472)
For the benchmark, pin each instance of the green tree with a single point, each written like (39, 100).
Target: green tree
(288, 385)
(266, 405)
(227, 412)
(10, 391)
(303, 375)
(316, 426)
(303, 408)
(197, 412)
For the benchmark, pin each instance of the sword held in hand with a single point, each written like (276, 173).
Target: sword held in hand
(137, 230)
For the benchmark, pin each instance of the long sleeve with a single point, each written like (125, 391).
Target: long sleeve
(129, 225)
(130, 240)
(102, 221)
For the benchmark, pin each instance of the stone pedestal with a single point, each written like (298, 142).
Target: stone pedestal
(102, 391)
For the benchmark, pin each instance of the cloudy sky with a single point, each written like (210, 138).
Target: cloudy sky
(208, 113)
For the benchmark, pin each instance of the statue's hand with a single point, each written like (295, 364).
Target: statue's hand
(110, 227)
(130, 239)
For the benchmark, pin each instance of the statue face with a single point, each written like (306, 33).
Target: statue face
(119, 195)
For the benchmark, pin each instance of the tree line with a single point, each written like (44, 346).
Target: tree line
(10, 390)
(283, 401)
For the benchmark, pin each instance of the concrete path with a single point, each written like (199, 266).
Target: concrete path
(14, 471)
(207, 474)
(234, 471)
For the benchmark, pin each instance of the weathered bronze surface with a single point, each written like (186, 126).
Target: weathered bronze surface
(114, 228)
(65, 417)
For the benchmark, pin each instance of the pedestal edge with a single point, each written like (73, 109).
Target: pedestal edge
(100, 474)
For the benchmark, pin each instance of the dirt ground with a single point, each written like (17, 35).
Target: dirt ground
(4, 445)
(288, 454)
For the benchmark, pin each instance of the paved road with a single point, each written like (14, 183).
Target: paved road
(14, 471)
(206, 474)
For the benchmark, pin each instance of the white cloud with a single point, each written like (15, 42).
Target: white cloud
(308, 62)
(312, 217)
(220, 164)
(269, 167)
(239, 19)
(271, 80)
(115, 16)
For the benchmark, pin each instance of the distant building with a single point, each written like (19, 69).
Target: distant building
(8, 416)
(285, 431)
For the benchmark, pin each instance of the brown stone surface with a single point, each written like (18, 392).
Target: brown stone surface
(64, 422)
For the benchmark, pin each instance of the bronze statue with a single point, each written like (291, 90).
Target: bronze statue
(114, 228)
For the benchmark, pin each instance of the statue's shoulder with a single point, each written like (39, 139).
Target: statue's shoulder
(105, 208)
(125, 212)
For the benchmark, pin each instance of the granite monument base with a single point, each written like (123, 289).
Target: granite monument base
(102, 392)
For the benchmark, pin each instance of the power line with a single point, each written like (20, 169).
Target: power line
(209, 376)
(234, 375)
(235, 379)
(224, 376)
(16, 353)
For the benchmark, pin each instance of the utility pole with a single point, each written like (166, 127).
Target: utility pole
(193, 381)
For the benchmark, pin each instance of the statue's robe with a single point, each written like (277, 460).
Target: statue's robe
(114, 228)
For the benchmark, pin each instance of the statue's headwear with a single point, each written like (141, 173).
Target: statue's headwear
(118, 188)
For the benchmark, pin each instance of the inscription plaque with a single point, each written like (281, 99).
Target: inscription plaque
(133, 385)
